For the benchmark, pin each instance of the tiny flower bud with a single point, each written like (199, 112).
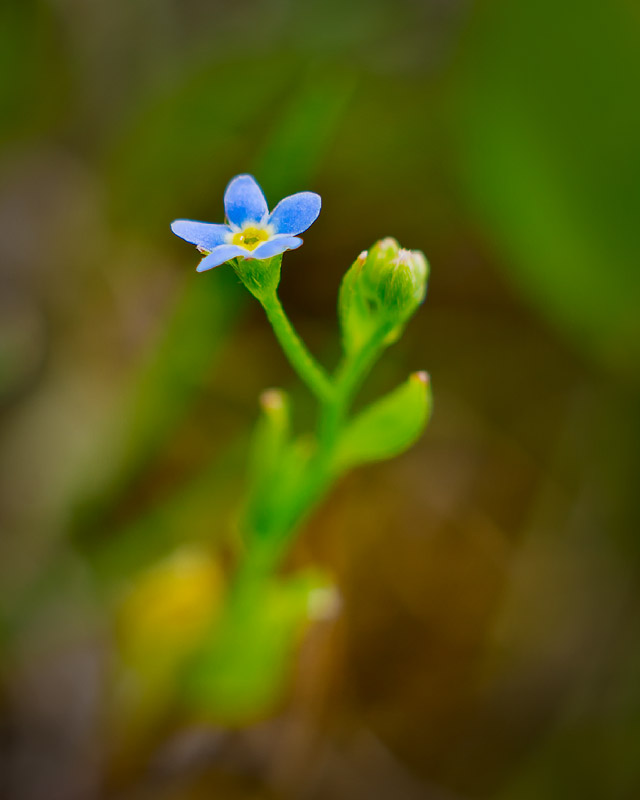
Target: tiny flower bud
(272, 400)
(394, 279)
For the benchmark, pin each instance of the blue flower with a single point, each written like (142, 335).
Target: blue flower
(251, 232)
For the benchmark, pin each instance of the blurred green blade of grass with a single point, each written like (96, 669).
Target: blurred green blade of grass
(301, 134)
(560, 202)
(197, 511)
(162, 392)
(184, 143)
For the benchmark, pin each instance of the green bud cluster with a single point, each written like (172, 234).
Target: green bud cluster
(384, 287)
(394, 280)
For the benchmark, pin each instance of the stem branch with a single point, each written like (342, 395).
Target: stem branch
(294, 348)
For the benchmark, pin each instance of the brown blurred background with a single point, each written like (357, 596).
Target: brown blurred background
(487, 645)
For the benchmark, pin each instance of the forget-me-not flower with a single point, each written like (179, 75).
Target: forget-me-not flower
(251, 231)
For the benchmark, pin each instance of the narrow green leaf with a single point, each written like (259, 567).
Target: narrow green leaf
(270, 440)
(389, 426)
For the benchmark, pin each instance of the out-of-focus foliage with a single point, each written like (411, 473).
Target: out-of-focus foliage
(487, 644)
(239, 669)
(160, 621)
(549, 127)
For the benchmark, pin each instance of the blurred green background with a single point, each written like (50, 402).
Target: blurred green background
(487, 645)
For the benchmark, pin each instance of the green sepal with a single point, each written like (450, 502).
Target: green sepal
(260, 276)
(354, 314)
(383, 288)
(387, 427)
(394, 280)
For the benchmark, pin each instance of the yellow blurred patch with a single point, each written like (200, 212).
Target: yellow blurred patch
(161, 620)
(170, 605)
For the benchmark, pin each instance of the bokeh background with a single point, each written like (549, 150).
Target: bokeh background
(487, 644)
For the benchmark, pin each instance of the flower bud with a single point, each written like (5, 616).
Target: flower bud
(394, 280)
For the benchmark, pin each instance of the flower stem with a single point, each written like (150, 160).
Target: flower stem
(354, 368)
(299, 357)
(334, 408)
(335, 395)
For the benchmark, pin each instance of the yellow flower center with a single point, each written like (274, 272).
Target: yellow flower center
(250, 237)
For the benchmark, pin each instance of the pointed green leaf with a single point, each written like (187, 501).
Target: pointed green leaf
(278, 467)
(270, 440)
(389, 426)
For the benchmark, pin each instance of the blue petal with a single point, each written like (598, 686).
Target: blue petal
(205, 234)
(219, 255)
(275, 246)
(296, 213)
(244, 201)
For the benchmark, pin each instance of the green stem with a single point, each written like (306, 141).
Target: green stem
(354, 369)
(335, 397)
(299, 357)
(334, 409)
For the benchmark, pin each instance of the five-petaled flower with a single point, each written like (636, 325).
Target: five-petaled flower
(251, 232)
